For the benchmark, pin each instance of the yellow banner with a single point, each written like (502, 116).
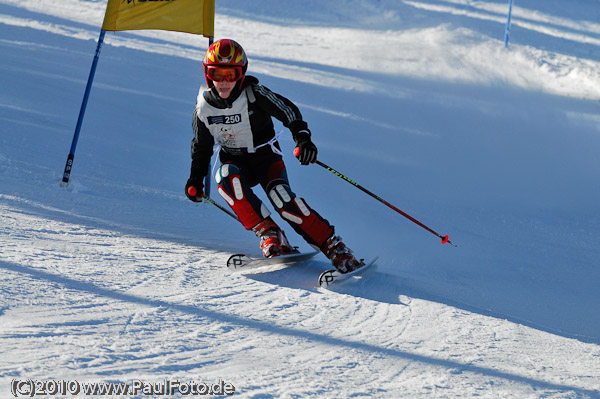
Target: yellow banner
(192, 16)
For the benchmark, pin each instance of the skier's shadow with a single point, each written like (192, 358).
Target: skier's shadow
(369, 285)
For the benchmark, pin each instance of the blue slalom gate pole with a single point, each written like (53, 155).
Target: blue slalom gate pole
(88, 87)
(510, 3)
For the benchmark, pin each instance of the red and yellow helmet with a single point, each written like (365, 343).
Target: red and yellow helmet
(225, 59)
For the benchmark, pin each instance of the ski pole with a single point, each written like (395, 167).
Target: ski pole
(221, 207)
(445, 239)
(192, 191)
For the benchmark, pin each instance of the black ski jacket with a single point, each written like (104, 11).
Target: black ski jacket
(263, 104)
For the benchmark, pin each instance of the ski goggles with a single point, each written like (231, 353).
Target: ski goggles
(219, 74)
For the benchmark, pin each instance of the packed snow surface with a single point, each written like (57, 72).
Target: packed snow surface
(118, 278)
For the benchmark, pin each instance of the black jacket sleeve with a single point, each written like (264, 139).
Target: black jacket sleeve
(201, 148)
(281, 108)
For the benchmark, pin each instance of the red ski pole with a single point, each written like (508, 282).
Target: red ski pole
(445, 239)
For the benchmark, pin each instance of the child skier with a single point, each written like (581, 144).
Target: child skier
(236, 111)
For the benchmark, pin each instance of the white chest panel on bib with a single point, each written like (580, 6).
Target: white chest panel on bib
(231, 126)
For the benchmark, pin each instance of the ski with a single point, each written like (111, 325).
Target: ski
(243, 262)
(329, 277)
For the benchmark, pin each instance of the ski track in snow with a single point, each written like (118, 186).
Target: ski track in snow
(144, 307)
(119, 278)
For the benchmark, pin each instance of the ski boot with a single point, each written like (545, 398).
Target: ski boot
(340, 255)
(273, 241)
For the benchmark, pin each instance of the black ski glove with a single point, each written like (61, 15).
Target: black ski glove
(194, 189)
(306, 150)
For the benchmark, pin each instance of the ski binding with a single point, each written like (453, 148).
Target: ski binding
(243, 262)
(329, 277)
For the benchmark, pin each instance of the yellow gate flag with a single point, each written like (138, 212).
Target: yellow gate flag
(191, 16)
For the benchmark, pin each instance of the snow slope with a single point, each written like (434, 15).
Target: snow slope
(119, 278)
